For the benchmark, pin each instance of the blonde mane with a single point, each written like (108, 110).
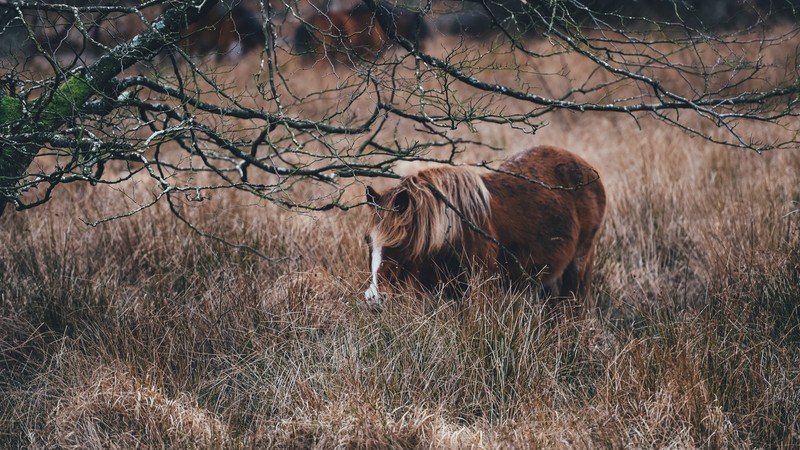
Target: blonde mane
(427, 224)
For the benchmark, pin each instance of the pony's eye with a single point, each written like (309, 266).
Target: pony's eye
(367, 238)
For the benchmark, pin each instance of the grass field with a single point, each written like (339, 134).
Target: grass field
(140, 333)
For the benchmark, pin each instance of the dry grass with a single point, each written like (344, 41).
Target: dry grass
(139, 333)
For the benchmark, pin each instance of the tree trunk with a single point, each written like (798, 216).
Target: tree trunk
(65, 102)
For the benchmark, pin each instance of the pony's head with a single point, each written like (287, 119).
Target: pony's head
(411, 223)
(412, 26)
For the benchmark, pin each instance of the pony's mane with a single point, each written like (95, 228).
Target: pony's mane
(428, 224)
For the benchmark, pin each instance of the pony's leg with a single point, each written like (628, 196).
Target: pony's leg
(565, 297)
(575, 285)
(585, 281)
(570, 280)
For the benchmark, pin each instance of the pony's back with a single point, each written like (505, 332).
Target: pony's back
(547, 207)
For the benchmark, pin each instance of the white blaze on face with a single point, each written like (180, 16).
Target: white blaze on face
(372, 294)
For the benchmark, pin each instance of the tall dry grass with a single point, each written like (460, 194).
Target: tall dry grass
(140, 333)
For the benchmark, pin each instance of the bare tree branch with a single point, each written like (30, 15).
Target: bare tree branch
(123, 91)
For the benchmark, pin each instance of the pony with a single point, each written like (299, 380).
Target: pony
(224, 30)
(356, 32)
(533, 221)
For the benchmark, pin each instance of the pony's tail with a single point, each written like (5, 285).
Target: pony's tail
(303, 40)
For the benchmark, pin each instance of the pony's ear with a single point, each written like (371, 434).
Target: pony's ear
(401, 200)
(372, 196)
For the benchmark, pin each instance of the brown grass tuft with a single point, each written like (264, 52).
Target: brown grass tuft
(115, 410)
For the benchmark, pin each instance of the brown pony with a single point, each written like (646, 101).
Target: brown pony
(224, 31)
(340, 35)
(535, 218)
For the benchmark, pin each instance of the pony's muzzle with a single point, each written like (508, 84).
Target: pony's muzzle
(375, 299)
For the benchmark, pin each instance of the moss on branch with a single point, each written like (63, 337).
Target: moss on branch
(10, 110)
(66, 101)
